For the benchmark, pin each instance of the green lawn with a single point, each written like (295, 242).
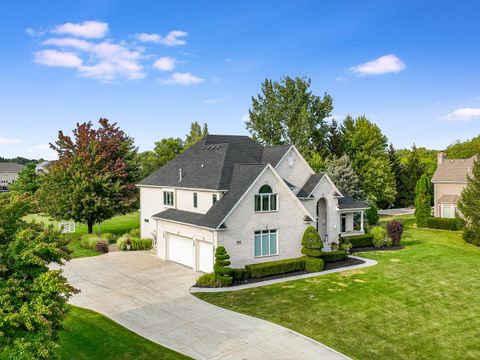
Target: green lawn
(117, 225)
(89, 335)
(421, 302)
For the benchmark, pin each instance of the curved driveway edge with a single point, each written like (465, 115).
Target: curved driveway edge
(367, 262)
(151, 297)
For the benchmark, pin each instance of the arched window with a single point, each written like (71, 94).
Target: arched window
(265, 200)
(265, 189)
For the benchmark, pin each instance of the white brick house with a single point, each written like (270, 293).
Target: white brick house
(254, 200)
(8, 174)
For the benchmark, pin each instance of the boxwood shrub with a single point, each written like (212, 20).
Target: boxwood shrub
(333, 256)
(445, 223)
(358, 241)
(313, 264)
(240, 275)
(276, 267)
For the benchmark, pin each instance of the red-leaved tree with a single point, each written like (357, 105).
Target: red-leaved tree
(94, 176)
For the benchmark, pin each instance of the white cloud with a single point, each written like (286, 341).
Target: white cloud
(9, 141)
(216, 100)
(382, 65)
(57, 58)
(165, 63)
(172, 38)
(463, 114)
(87, 29)
(34, 33)
(70, 42)
(183, 79)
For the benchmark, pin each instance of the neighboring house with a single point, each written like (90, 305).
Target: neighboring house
(254, 200)
(42, 167)
(8, 174)
(449, 180)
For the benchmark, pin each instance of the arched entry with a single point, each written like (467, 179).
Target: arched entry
(322, 218)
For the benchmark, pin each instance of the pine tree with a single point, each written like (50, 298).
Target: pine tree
(196, 133)
(341, 172)
(28, 180)
(398, 174)
(413, 171)
(469, 205)
(423, 209)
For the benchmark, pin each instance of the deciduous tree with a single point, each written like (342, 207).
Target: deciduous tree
(287, 111)
(32, 297)
(94, 177)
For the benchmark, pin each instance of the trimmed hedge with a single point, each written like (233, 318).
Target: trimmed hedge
(312, 252)
(358, 241)
(333, 256)
(445, 223)
(313, 264)
(276, 267)
(208, 280)
(240, 275)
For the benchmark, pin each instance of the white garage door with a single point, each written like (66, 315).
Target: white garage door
(180, 249)
(205, 256)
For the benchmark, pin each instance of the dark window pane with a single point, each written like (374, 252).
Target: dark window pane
(273, 202)
(265, 203)
(258, 203)
(265, 189)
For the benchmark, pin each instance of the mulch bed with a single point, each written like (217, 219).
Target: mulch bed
(328, 266)
(373, 248)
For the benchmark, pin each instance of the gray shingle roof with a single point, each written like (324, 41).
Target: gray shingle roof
(208, 164)
(312, 181)
(273, 154)
(243, 176)
(10, 167)
(347, 202)
(453, 170)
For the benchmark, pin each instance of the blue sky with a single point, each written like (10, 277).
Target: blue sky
(154, 67)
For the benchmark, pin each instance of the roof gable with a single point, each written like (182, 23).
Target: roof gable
(453, 170)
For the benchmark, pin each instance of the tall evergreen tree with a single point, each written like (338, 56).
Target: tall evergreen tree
(413, 171)
(28, 180)
(341, 172)
(423, 208)
(469, 205)
(335, 145)
(398, 174)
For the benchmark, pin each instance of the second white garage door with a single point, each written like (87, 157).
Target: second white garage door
(205, 256)
(180, 249)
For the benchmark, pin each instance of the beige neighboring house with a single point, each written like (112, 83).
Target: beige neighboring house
(449, 180)
(8, 174)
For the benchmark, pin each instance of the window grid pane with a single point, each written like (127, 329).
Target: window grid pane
(258, 247)
(273, 202)
(273, 243)
(265, 244)
(258, 203)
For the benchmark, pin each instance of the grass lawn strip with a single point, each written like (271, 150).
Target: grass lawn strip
(89, 335)
(417, 303)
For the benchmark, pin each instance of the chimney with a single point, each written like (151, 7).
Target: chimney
(180, 175)
(441, 156)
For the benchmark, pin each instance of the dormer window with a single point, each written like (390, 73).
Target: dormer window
(266, 200)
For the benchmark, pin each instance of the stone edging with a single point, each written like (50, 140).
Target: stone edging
(367, 263)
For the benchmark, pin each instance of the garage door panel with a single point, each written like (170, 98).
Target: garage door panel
(180, 249)
(205, 256)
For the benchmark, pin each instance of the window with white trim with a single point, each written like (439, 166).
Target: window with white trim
(266, 200)
(266, 243)
(168, 198)
(343, 223)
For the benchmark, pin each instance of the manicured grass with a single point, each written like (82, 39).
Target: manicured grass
(417, 303)
(116, 225)
(89, 335)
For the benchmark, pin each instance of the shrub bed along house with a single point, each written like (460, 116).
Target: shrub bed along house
(333, 256)
(278, 267)
(445, 223)
(135, 243)
(358, 241)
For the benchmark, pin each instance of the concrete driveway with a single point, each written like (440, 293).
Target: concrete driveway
(151, 297)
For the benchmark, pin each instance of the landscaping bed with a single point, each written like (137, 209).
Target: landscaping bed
(373, 248)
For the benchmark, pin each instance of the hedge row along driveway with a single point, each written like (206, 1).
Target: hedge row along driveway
(417, 303)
